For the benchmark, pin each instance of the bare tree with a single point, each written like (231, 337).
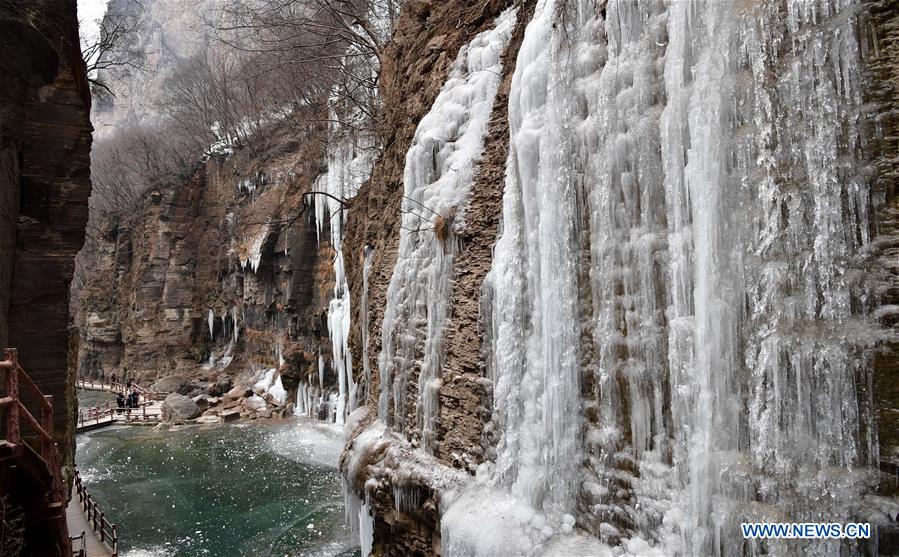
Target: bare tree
(136, 160)
(329, 50)
(319, 59)
(114, 48)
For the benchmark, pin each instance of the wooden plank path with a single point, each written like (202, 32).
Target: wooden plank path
(78, 524)
(93, 535)
(149, 412)
(113, 387)
(103, 415)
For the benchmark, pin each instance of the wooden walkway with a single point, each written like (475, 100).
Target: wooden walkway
(78, 524)
(115, 387)
(97, 536)
(103, 415)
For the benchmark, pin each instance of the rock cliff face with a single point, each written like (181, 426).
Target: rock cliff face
(45, 141)
(884, 96)
(221, 275)
(165, 33)
(426, 41)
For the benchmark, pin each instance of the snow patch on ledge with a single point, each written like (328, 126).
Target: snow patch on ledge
(254, 256)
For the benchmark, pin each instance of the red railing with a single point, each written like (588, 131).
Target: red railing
(18, 415)
(99, 412)
(116, 387)
(108, 532)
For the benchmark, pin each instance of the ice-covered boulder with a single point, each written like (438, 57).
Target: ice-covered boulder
(255, 403)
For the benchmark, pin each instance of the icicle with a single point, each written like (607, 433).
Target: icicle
(363, 311)
(235, 326)
(438, 174)
(302, 407)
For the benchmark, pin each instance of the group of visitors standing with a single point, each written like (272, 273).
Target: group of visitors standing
(131, 400)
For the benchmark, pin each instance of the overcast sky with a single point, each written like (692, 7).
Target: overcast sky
(89, 11)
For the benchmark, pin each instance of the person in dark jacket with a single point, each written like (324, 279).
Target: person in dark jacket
(135, 399)
(120, 401)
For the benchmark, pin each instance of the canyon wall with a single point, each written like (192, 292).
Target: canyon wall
(45, 173)
(220, 276)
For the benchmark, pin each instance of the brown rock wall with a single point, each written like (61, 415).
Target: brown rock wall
(426, 40)
(45, 139)
(154, 276)
(464, 400)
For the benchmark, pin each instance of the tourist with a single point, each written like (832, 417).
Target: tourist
(113, 378)
(135, 399)
(120, 401)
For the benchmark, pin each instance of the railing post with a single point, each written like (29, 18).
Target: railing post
(102, 530)
(47, 418)
(12, 391)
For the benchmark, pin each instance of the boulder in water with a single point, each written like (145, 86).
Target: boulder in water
(177, 408)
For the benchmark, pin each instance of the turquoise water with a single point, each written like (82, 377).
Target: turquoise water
(89, 398)
(248, 489)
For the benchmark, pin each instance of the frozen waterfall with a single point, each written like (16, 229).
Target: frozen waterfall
(438, 175)
(349, 165)
(677, 330)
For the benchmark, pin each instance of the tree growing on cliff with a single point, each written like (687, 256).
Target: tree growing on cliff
(113, 48)
(136, 160)
(211, 95)
(325, 51)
